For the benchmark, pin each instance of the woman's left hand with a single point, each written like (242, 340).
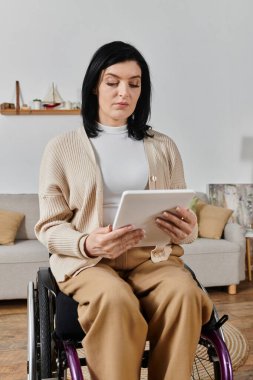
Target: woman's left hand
(178, 225)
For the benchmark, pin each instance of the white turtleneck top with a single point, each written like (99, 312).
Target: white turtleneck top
(123, 165)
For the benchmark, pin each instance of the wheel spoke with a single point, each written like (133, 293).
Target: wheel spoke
(205, 361)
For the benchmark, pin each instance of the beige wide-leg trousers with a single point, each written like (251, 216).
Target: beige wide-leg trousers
(128, 300)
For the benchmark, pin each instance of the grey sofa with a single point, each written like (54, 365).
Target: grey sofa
(20, 262)
(218, 262)
(215, 262)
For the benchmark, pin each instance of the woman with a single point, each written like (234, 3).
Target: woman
(125, 294)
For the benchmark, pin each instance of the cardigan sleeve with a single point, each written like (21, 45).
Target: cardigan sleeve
(54, 228)
(193, 236)
(177, 179)
(178, 182)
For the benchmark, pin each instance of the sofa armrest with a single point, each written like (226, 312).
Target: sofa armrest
(235, 233)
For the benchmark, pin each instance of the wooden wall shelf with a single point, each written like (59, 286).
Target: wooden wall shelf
(13, 112)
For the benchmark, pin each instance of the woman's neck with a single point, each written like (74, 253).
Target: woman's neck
(111, 129)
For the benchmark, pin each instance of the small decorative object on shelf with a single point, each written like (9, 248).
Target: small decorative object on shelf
(36, 104)
(53, 104)
(53, 98)
(67, 105)
(25, 107)
(7, 106)
(76, 106)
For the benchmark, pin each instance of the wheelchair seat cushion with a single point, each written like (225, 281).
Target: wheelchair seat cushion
(66, 318)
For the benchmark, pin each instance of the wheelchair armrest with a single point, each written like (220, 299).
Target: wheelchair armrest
(48, 280)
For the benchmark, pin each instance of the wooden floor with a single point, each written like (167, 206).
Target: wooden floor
(13, 334)
(239, 308)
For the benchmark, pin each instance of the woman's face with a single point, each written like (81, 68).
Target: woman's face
(118, 91)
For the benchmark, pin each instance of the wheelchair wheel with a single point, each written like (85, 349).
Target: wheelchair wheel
(46, 348)
(32, 333)
(212, 360)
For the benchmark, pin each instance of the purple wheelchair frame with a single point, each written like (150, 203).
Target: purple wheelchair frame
(211, 333)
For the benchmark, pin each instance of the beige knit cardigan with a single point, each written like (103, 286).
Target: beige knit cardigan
(71, 194)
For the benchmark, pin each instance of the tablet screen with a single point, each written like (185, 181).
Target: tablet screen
(141, 207)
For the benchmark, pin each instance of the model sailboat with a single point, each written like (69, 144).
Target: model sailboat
(53, 98)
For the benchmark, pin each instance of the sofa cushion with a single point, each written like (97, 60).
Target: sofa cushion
(9, 225)
(211, 219)
(23, 251)
(27, 204)
(215, 262)
(202, 246)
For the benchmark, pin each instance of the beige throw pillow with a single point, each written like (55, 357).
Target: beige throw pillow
(211, 219)
(9, 225)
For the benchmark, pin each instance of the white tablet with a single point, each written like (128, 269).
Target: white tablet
(141, 207)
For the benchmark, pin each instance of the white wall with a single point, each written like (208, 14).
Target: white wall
(201, 60)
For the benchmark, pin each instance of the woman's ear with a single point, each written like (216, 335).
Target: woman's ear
(94, 91)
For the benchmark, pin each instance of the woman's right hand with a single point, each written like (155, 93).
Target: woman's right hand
(108, 243)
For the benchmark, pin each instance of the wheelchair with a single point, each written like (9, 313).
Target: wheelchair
(54, 337)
